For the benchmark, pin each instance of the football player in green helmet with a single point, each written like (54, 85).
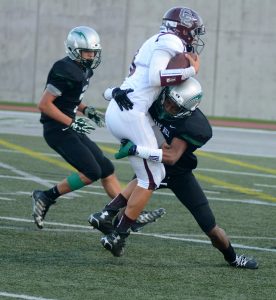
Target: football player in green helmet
(67, 81)
(181, 128)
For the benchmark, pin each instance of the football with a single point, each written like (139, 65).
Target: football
(180, 61)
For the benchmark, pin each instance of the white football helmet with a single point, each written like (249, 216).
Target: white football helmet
(83, 38)
(187, 96)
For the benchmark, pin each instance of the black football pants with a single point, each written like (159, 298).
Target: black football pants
(80, 152)
(188, 191)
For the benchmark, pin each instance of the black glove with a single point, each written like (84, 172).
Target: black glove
(120, 96)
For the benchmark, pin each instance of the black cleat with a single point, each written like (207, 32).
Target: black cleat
(102, 221)
(147, 217)
(41, 204)
(244, 262)
(115, 243)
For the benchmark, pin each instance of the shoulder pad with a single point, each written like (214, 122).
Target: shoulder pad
(170, 43)
(68, 69)
(197, 129)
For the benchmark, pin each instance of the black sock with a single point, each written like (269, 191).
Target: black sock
(116, 204)
(124, 224)
(52, 193)
(229, 253)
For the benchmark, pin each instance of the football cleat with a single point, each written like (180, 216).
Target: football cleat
(41, 204)
(147, 217)
(244, 262)
(102, 221)
(115, 243)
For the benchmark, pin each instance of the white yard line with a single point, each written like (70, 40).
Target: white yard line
(156, 235)
(266, 185)
(230, 236)
(21, 296)
(243, 201)
(236, 172)
(206, 242)
(31, 178)
(25, 175)
(6, 199)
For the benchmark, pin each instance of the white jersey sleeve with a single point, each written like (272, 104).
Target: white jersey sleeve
(159, 62)
(170, 45)
(107, 94)
(167, 46)
(149, 61)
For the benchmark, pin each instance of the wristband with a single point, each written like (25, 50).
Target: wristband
(150, 154)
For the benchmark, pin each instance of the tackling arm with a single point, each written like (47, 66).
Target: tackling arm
(172, 152)
(169, 154)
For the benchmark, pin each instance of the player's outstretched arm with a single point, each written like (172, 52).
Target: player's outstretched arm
(120, 96)
(169, 154)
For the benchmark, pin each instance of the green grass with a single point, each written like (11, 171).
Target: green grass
(25, 104)
(259, 121)
(68, 262)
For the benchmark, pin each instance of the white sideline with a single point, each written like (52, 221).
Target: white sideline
(20, 296)
(156, 235)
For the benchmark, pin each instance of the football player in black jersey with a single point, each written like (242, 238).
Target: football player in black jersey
(184, 128)
(64, 132)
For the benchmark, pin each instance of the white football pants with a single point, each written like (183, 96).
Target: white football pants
(137, 127)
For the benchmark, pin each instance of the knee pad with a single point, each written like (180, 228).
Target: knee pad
(93, 175)
(107, 168)
(102, 169)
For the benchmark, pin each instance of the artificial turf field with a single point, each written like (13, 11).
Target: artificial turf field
(170, 259)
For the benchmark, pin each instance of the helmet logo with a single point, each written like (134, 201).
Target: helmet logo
(81, 36)
(186, 18)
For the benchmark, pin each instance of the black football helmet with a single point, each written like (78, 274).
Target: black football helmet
(187, 25)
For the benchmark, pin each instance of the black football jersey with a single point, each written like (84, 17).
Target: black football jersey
(194, 129)
(70, 80)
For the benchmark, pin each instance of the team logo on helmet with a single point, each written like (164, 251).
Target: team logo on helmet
(186, 18)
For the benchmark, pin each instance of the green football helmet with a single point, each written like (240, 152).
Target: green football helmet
(83, 38)
(179, 101)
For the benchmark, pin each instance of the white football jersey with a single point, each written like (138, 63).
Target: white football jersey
(139, 77)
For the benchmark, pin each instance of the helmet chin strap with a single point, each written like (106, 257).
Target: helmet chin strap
(86, 62)
(190, 48)
(90, 63)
